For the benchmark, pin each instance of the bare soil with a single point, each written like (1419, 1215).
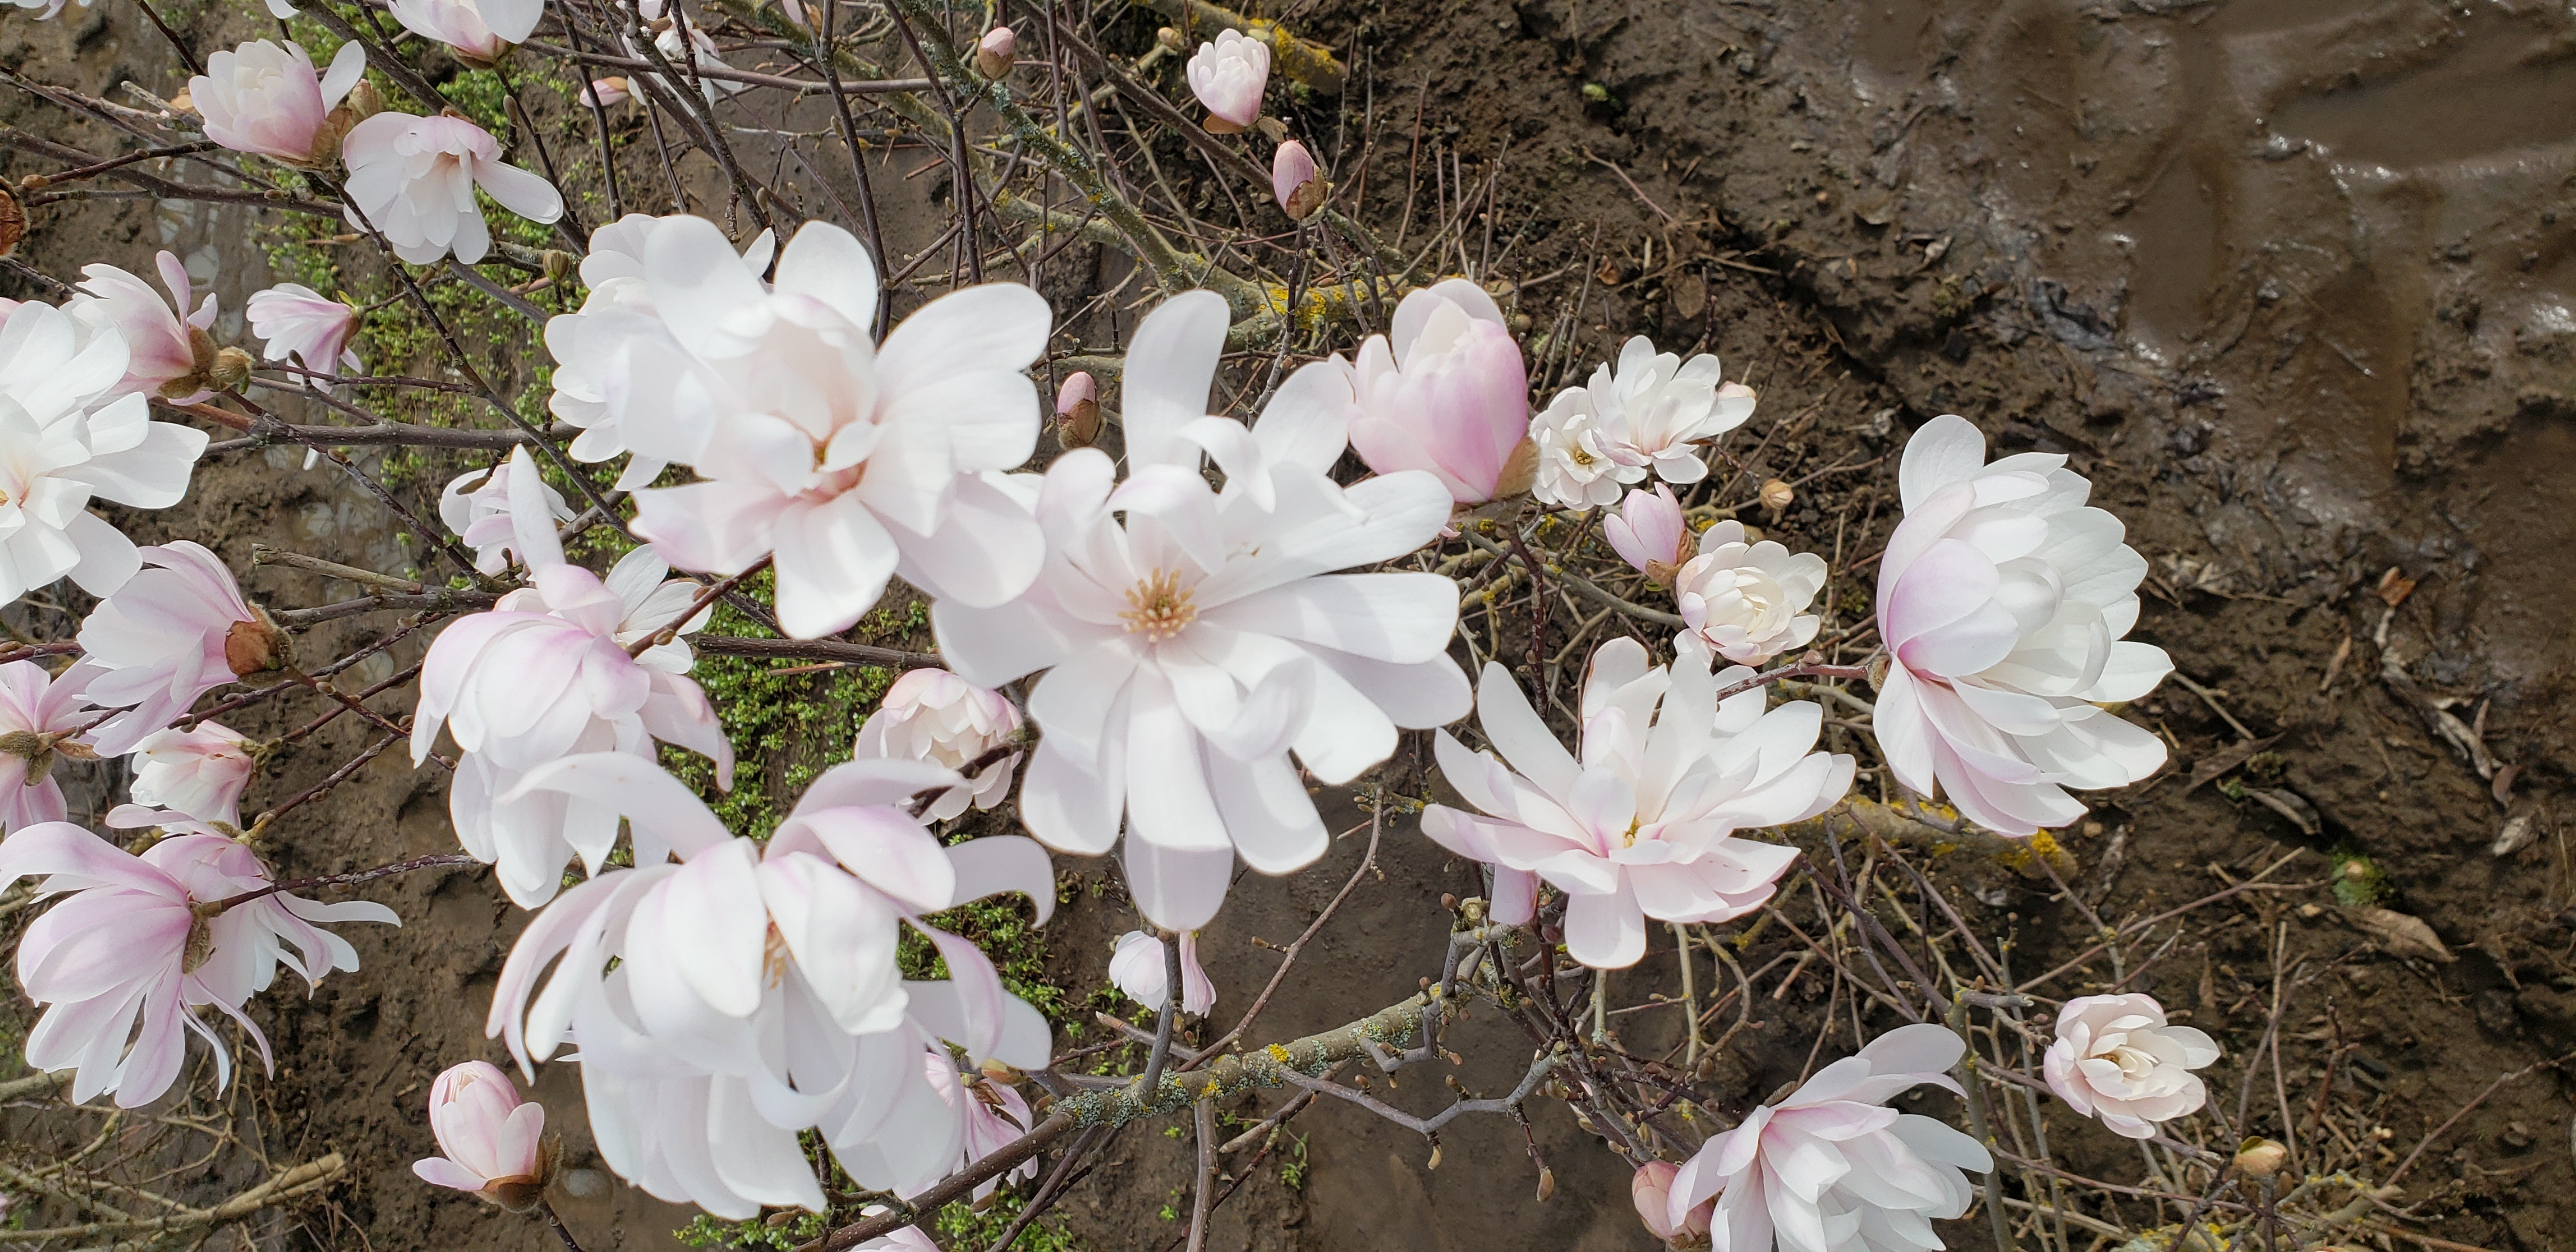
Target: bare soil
(2289, 279)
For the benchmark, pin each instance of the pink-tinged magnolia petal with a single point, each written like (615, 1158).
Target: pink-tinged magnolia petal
(438, 1171)
(663, 810)
(1605, 931)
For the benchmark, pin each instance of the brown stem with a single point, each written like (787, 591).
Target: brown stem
(705, 597)
(340, 880)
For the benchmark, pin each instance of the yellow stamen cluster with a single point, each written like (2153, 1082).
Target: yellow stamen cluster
(1159, 607)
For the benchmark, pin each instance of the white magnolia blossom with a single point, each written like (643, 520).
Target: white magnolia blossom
(294, 320)
(200, 772)
(1228, 74)
(2002, 599)
(42, 720)
(935, 716)
(1644, 823)
(169, 355)
(2116, 1058)
(124, 961)
(68, 436)
(1192, 639)
(265, 98)
(1655, 408)
(1578, 465)
(1831, 1168)
(846, 460)
(1747, 601)
(479, 31)
(413, 179)
(546, 674)
(172, 633)
(476, 505)
(595, 350)
(1139, 968)
(750, 991)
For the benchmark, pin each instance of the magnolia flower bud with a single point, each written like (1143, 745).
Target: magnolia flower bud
(995, 52)
(1228, 75)
(1776, 495)
(1649, 534)
(2261, 1158)
(258, 646)
(1293, 181)
(231, 368)
(494, 1143)
(1651, 1189)
(1077, 410)
(605, 91)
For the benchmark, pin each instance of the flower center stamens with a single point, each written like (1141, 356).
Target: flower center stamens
(1159, 607)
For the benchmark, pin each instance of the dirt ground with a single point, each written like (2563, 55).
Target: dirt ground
(2290, 280)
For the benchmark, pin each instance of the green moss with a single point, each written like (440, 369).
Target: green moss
(2357, 880)
(786, 728)
(959, 1225)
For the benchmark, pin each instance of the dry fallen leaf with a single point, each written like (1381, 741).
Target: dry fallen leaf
(2400, 934)
(2516, 835)
(2394, 587)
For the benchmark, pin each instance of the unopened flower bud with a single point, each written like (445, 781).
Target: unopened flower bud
(1170, 39)
(1546, 1183)
(2261, 1158)
(258, 646)
(13, 223)
(1077, 410)
(605, 91)
(994, 54)
(1294, 182)
(1776, 495)
(560, 265)
(231, 368)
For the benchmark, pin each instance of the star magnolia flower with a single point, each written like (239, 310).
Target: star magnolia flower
(1228, 74)
(596, 348)
(749, 992)
(265, 99)
(1643, 825)
(2001, 599)
(126, 945)
(476, 505)
(1651, 1190)
(1650, 534)
(995, 1116)
(479, 31)
(1578, 464)
(494, 1143)
(933, 715)
(199, 772)
(413, 178)
(1831, 1169)
(171, 634)
(296, 321)
(546, 674)
(1655, 408)
(1446, 393)
(2117, 1059)
(167, 357)
(1743, 599)
(1137, 968)
(848, 460)
(1192, 647)
(42, 719)
(68, 433)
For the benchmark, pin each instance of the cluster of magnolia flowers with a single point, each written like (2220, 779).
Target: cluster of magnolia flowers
(1162, 664)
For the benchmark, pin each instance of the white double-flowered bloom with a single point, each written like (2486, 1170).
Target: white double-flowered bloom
(413, 180)
(1193, 639)
(935, 716)
(846, 461)
(2002, 599)
(1747, 601)
(2116, 1058)
(750, 991)
(476, 505)
(546, 674)
(1644, 823)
